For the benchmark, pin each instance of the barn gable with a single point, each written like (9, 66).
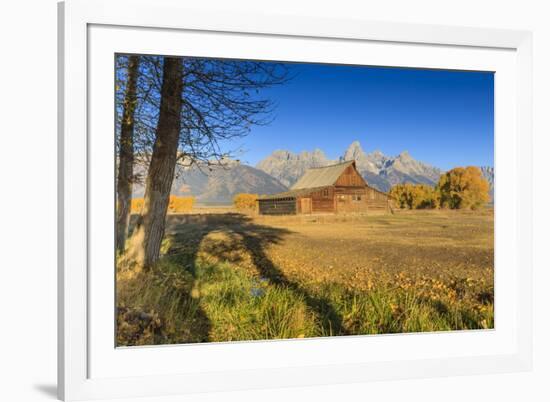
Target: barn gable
(323, 176)
(350, 177)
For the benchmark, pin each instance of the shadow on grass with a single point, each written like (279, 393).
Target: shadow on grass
(187, 232)
(162, 295)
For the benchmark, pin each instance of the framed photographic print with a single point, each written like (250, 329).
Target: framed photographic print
(256, 201)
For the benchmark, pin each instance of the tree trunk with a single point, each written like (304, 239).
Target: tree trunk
(126, 155)
(147, 237)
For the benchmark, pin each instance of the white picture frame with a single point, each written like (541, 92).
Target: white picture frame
(90, 367)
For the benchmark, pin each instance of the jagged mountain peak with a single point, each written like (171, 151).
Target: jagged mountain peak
(355, 146)
(288, 167)
(378, 169)
(318, 151)
(405, 159)
(282, 154)
(404, 155)
(316, 154)
(376, 153)
(354, 151)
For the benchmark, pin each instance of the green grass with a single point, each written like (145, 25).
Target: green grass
(210, 303)
(178, 302)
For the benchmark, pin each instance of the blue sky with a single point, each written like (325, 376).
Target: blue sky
(444, 118)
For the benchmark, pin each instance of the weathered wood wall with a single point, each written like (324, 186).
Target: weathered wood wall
(330, 200)
(322, 200)
(350, 178)
(277, 207)
(376, 200)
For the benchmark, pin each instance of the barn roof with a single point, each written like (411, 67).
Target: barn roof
(321, 176)
(290, 193)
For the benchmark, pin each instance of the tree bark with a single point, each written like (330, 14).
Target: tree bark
(126, 155)
(147, 238)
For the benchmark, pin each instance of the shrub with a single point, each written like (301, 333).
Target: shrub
(244, 201)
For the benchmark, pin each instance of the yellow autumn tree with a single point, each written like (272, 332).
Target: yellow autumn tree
(136, 205)
(415, 196)
(424, 196)
(401, 194)
(245, 201)
(463, 188)
(180, 204)
(176, 204)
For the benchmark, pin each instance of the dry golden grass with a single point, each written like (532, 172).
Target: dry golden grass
(440, 244)
(228, 276)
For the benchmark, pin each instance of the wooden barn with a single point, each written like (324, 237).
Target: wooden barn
(330, 189)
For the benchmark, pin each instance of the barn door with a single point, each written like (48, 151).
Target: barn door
(306, 205)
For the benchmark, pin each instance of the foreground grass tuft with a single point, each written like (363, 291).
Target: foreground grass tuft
(220, 302)
(212, 303)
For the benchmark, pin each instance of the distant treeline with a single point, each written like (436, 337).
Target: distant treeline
(175, 204)
(459, 188)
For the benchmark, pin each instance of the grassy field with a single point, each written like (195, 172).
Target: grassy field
(226, 276)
